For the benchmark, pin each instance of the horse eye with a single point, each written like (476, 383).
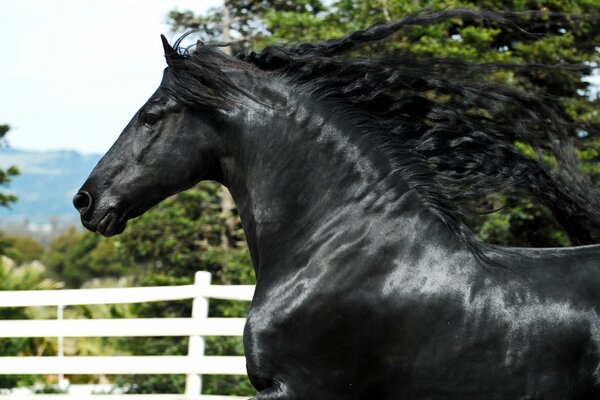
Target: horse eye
(150, 119)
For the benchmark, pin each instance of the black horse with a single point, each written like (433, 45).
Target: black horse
(352, 176)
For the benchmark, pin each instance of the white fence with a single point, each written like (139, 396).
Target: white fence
(193, 365)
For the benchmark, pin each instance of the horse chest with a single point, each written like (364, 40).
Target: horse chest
(347, 339)
(297, 335)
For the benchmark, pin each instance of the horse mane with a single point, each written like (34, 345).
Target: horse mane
(452, 133)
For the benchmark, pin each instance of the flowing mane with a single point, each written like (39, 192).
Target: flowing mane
(451, 132)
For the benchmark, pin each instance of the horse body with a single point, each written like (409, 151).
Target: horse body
(356, 302)
(363, 291)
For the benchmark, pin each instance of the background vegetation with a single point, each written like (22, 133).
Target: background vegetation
(200, 230)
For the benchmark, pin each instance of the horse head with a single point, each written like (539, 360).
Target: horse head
(167, 147)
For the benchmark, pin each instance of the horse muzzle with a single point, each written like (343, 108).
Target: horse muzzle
(105, 219)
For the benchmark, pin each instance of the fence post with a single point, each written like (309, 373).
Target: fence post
(63, 383)
(193, 383)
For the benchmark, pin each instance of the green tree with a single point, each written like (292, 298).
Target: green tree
(76, 257)
(6, 174)
(6, 199)
(23, 249)
(241, 22)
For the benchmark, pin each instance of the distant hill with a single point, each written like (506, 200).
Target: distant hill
(47, 183)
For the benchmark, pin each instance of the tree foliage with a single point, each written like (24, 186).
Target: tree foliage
(246, 19)
(5, 198)
(23, 249)
(76, 257)
(6, 174)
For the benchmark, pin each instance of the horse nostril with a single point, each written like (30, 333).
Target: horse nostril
(82, 201)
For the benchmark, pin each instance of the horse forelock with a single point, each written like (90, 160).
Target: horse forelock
(199, 77)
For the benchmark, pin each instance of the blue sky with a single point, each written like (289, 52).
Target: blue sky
(73, 72)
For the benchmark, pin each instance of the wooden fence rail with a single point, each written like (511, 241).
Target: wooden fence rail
(193, 365)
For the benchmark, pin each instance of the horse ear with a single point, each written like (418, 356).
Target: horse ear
(171, 55)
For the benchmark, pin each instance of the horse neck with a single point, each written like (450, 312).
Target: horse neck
(302, 175)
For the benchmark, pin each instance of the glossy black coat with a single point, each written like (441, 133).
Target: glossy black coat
(362, 293)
